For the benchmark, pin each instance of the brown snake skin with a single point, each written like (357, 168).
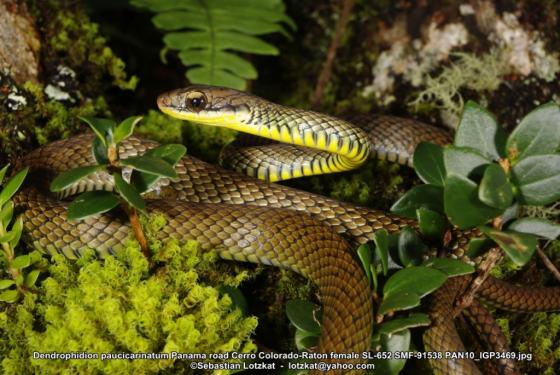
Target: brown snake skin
(291, 218)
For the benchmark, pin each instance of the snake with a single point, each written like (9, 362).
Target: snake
(257, 220)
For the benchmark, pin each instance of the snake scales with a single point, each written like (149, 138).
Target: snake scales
(287, 228)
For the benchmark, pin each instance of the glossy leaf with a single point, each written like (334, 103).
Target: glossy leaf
(99, 151)
(462, 205)
(411, 247)
(464, 161)
(451, 267)
(3, 172)
(7, 213)
(170, 153)
(512, 212)
(21, 261)
(428, 163)
(102, 127)
(91, 203)
(478, 130)
(381, 240)
(430, 223)
(305, 340)
(495, 189)
(537, 179)
(9, 296)
(398, 342)
(539, 227)
(364, 254)
(12, 186)
(17, 229)
(398, 302)
(400, 324)
(31, 278)
(420, 280)
(6, 283)
(128, 192)
(479, 246)
(537, 134)
(302, 315)
(67, 178)
(125, 128)
(428, 196)
(150, 164)
(519, 247)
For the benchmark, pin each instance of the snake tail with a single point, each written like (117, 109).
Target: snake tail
(278, 237)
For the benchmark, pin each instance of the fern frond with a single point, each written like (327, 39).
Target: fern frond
(208, 32)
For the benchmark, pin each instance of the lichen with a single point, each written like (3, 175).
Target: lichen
(120, 305)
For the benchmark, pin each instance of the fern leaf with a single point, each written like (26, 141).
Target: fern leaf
(206, 32)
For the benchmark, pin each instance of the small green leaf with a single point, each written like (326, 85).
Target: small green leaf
(6, 283)
(512, 212)
(478, 130)
(31, 278)
(67, 178)
(537, 134)
(478, 246)
(431, 223)
(3, 172)
(21, 261)
(451, 267)
(125, 128)
(411, 247)
(464, 161)
(495, 189)
(373, 271)
(9, 296)
(19, 279)
(462, 205)
(364, 254)
(150, 164)
(519, 247)
(237, 298)
(7, 213)
(381, 240)
(102, 127)
(17, 229)
(419, 280)
(428, 163)
(537, 179)
(170, 153)
(91, 203)
(302, 315)
(539, 227)
(12, 186)
(398, 302)
(99, 152)
(428, 196)
(400, 324)
(305, 340)
(7, 237)
(129, 194)
(398, 342)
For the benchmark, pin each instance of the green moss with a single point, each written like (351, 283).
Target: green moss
(206, 142)
(118, 305)
(540, 335)
(160, 127)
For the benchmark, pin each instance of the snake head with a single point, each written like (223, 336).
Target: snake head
(208, 105)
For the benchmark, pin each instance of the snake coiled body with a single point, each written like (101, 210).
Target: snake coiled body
(308, 233)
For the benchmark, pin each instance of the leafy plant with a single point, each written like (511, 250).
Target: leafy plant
(482, 178)
(21, 281)
(206, 32)
(146, 170)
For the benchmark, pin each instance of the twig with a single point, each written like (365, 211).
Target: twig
(548, 264)
(138, 233)
(325, 74)
(466, 298)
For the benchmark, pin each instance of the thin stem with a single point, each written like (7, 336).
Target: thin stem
(548, 264)
(138, 232)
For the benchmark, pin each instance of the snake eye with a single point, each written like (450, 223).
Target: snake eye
(195, 101)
